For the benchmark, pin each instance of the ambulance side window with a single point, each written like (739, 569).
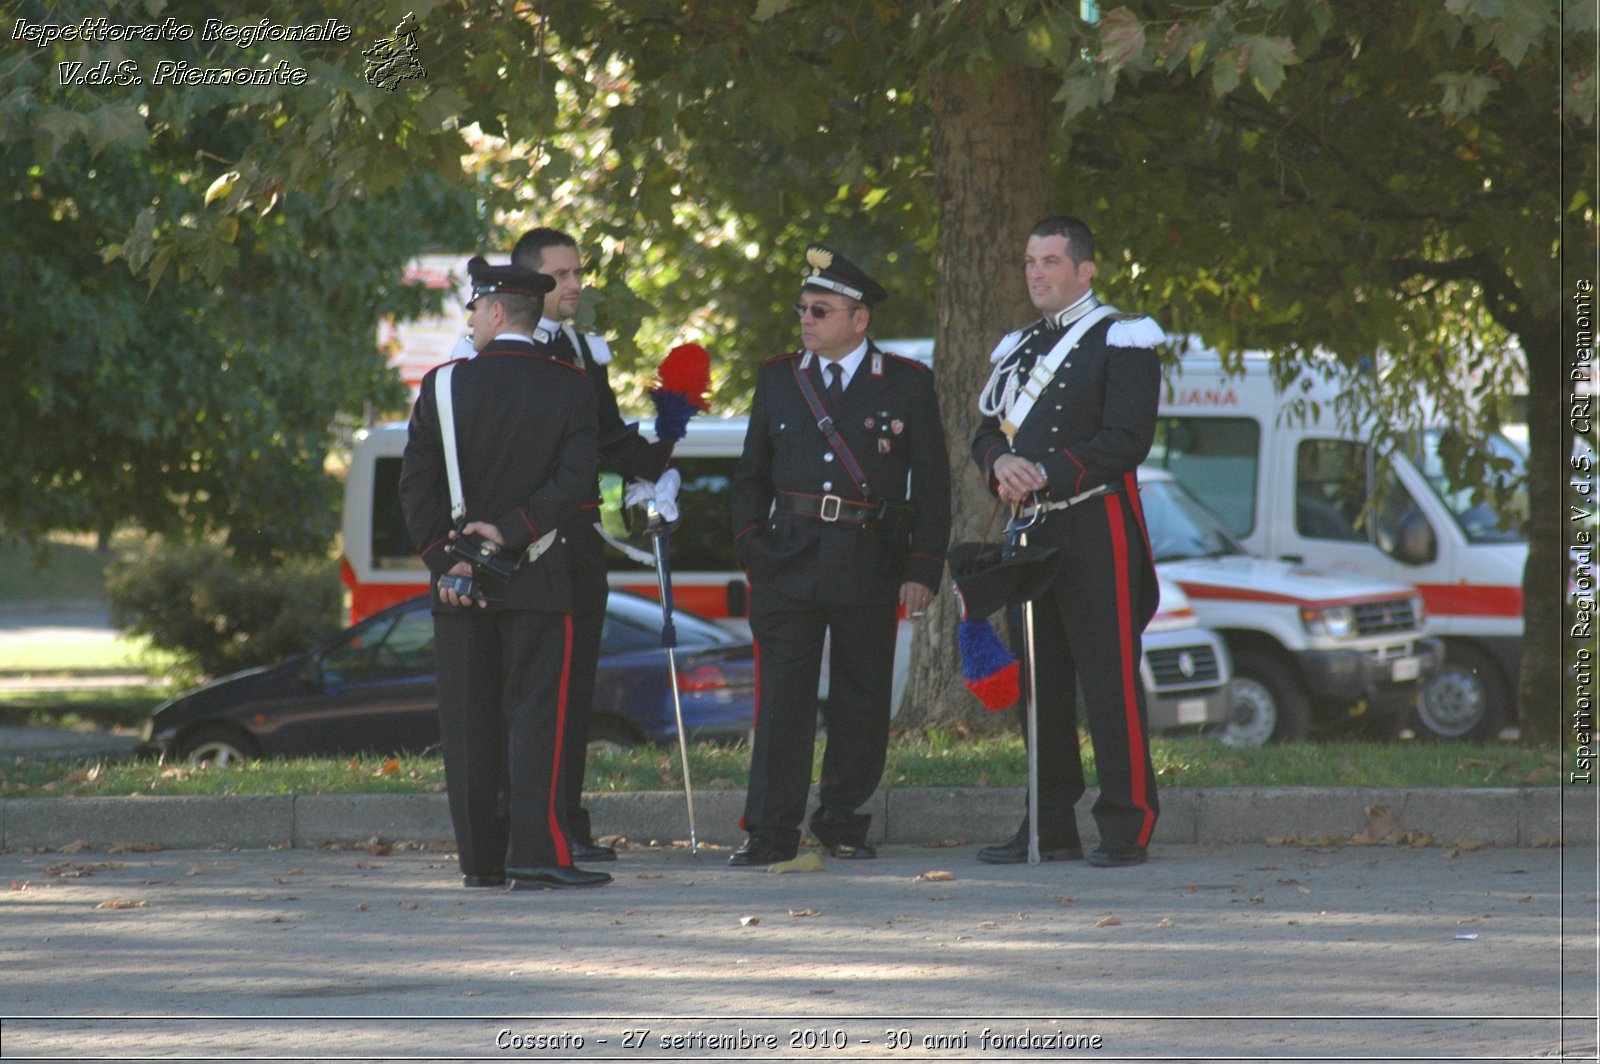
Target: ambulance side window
(391, 543)
(1330, 485)
(703, 540)
(1217, 459)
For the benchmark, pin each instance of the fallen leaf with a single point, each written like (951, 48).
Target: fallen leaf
(938, 897)
(380, 849)
(363, 907)
(259, 897)
(944, 844)
(935, 877)
(388, 768)
(74, 847)
(1163, 922)
(408, 905)
(989, 925)
(123, 905)
(822, 991)
(749, 921)
(20, 884)
(805, 912)
(649, 875)
(1468, 844)
(1108, 921)
(810, 861)
(1303, 890)
(1063, 899)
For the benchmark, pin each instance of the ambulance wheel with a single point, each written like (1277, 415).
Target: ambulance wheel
(1267, 703)
(1464, 701)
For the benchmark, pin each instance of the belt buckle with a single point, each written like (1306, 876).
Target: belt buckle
(825, 515)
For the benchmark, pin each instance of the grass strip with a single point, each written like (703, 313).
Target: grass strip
(935, 759)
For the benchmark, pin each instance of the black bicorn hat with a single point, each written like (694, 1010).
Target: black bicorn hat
(987, 579)
(829, 271)
(509, 279)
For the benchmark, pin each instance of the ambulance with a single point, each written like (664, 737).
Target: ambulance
(1292, 477)
(1186, 667)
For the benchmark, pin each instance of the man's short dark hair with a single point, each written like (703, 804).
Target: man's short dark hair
(529, 251)
(1080, 242)
(520, 309)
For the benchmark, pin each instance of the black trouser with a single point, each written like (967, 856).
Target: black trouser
(502, 714)
(590, 592)
(789, 638)
(1087, 632)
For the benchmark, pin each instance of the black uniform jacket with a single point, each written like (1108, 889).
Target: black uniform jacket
(525, 434)
(623, 449)
(889, 419)
(1091, 426)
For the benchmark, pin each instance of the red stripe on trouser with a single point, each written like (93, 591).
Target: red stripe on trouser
(1130, 697)
(558, 834)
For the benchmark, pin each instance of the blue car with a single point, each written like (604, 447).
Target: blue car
(371, 689)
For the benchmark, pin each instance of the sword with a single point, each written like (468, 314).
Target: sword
(1019, 535)
(660, 538)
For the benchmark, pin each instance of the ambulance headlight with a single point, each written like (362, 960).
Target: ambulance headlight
(1334, 622)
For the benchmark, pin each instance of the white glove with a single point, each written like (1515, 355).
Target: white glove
(638, 493)
(667, 495)
(463, 349)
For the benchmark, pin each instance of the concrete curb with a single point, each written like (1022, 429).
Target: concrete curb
(911, 816)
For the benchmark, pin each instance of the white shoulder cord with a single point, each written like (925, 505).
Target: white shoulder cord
(444, 403)
(1001, 389)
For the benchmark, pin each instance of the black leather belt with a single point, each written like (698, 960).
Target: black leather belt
(829, 508)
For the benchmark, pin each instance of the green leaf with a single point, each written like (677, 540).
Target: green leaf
(54, 128)
(1463, 93)
(1268, 57)
(1227, 69)
(222, 187)
(117, 125)
(766, 10)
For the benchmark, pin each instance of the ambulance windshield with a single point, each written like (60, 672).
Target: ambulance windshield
(1180, 526)
(1496, 513)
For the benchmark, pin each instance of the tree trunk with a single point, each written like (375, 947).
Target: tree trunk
(992, 171)
(1545, 640)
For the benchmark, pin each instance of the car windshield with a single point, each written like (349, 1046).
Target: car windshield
(1488, 520)
(1180, 526)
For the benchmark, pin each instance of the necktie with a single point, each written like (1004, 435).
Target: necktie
(835, 384)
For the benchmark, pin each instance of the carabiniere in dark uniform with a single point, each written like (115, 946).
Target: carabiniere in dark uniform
(525, 434)
(828, 536)
(1090, 426)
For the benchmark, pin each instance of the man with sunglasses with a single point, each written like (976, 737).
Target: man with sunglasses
(841, 516)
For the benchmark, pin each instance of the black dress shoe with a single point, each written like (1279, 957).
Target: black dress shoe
(858, 852)
(1117, 856)
(555, 878)
(1015, 849)
(592, 851)
(483, 881)
(759, 852)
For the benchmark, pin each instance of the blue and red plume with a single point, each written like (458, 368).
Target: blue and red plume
(988, 665)
(682, 380)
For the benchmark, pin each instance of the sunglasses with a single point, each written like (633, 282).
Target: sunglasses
(820, 311)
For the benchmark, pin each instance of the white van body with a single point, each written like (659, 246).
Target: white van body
(1297, 489)
(1312, 650)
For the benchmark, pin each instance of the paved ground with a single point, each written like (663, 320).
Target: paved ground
(1213, 952)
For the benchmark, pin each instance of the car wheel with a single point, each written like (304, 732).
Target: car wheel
(1465, 700)
(215, 747)
(1267, 703)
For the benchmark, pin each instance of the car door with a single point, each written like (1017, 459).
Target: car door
(374, 691)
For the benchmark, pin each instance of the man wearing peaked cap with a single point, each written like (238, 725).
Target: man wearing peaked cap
(1069, 413)
(841, 516)
(623, 450)
(524, 441)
